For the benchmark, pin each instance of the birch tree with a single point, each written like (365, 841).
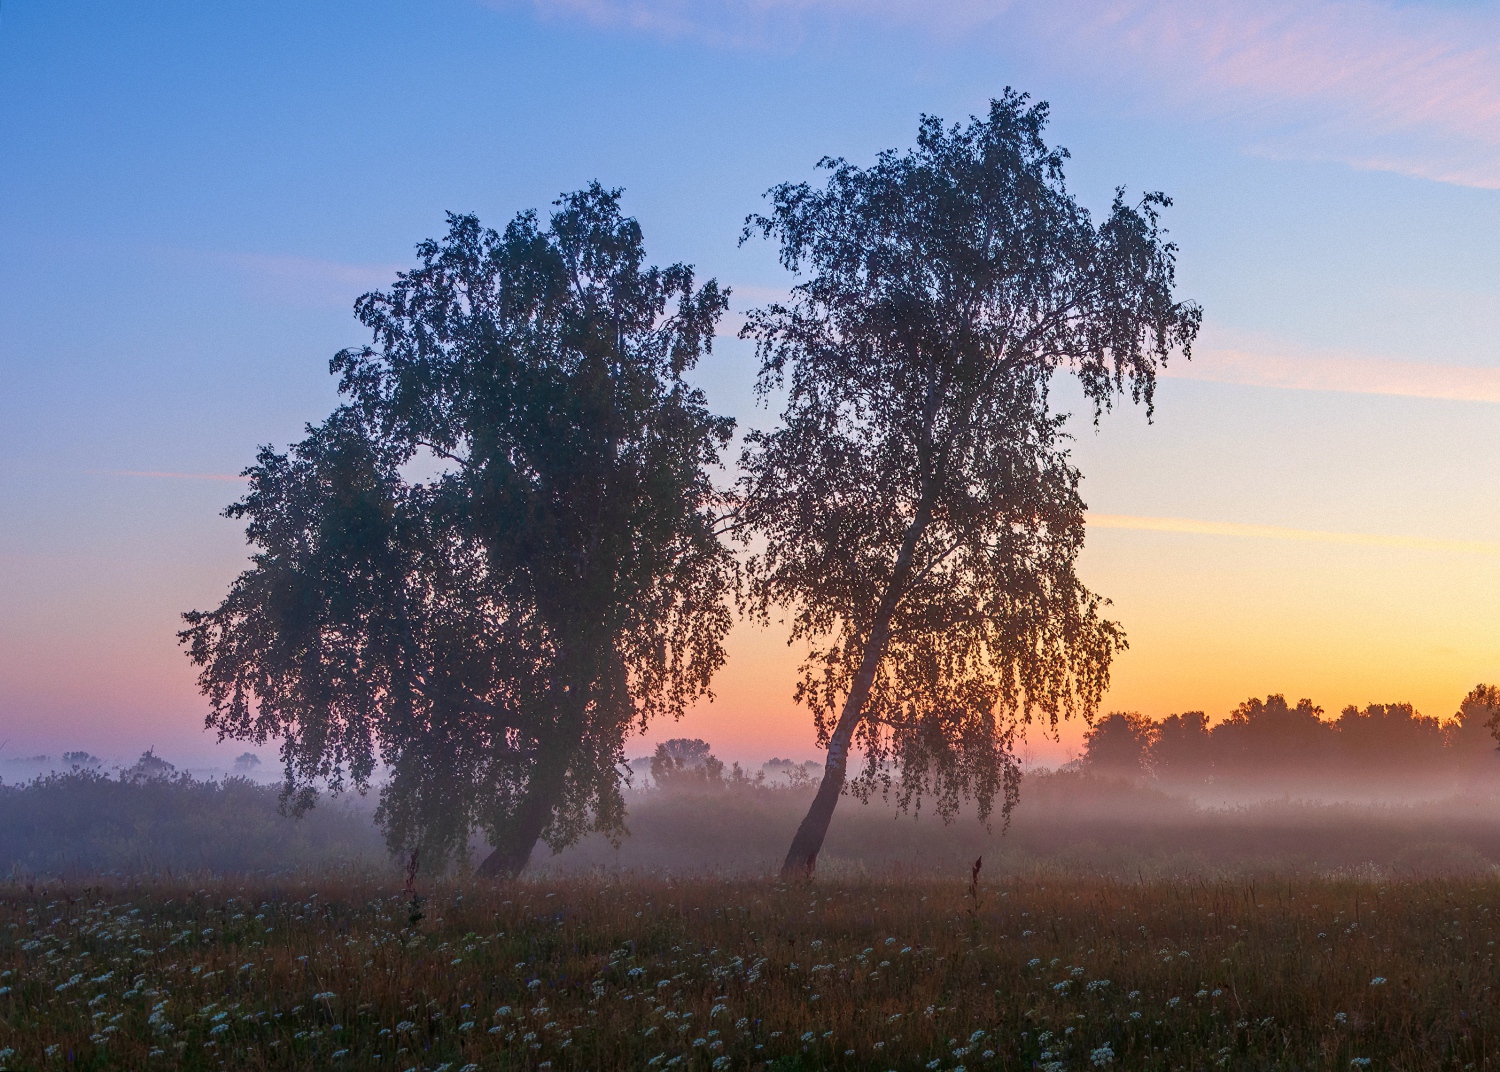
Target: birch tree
(489, 632)
(916, 512)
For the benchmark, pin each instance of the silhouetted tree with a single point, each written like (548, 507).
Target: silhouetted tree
(1389, 737)
(790, 773)
(1476, 726)
(150, 767)
(1181, 748)
(1268, 737)
(490, 633)
(919, 513)
(1120, 744)
(683, 762)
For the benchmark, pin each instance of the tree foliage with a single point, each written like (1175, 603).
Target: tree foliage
(685, 761)
(1476, 726)
(1120, 743)
(491, 632)
(1266, 741)
(919, 514)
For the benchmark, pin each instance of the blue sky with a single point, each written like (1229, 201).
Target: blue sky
(191, 196)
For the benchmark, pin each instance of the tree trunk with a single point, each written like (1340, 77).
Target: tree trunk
(802, 857)
(514, 846)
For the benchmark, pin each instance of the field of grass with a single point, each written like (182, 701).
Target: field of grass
(711, 975)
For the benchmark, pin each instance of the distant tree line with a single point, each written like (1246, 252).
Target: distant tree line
(150, 818)
(1271, 738)
(689, 763)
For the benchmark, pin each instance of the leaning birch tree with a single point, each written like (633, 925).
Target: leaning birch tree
(916, 514)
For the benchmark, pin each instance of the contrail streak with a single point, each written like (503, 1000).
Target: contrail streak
(174, 476)
(1276, 532)
(1348, 373)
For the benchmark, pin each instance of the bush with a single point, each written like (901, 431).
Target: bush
(683, 763)
(152, 819)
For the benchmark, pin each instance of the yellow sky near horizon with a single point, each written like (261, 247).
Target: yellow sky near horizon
(1215, 613)
(1337, 545)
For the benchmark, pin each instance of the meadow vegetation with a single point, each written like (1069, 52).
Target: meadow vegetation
(155, 921)
(1046, 972)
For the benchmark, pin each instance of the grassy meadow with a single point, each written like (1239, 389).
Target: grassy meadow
(641, 972)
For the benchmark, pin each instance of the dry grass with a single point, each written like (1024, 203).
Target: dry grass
(714, 974)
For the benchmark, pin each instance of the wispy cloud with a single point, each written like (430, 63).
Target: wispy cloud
(1345, 372)
(759, 22)
(308, 281)
(158, 475)
(1274, 532)
(1411, 88)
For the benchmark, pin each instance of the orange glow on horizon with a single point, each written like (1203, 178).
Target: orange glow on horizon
(1215, 613)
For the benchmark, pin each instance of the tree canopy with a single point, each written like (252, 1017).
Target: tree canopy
(918, 514)
(491, 631)
(1120, 743)
(1265, 742)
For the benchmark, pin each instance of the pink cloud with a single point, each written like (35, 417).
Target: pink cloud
(308, 280)
(1338, 371)
(739, 23)
(1298, 369)
(1413, 89)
